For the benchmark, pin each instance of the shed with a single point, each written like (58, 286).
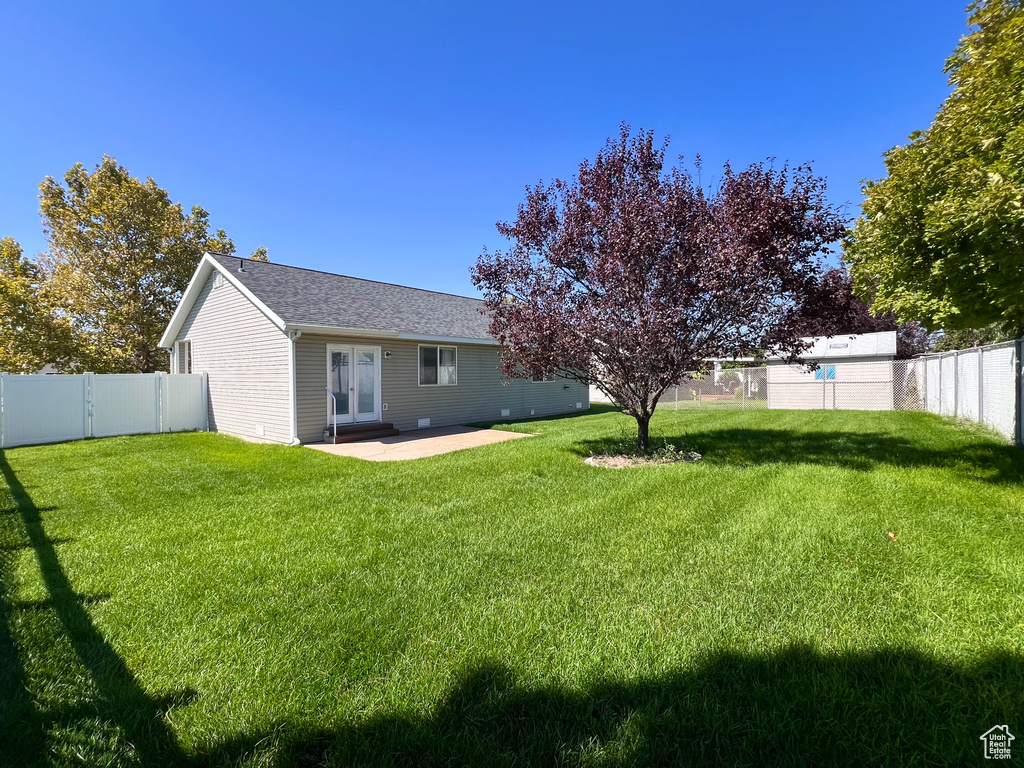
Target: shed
(852, 372)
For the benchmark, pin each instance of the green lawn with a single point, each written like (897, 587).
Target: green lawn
(732, 404)
(193, 599)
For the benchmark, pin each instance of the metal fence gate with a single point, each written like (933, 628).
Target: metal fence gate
(729, 388)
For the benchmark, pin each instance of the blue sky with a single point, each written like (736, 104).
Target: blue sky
(384, 140)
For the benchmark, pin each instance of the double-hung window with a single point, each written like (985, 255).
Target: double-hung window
(437, 366)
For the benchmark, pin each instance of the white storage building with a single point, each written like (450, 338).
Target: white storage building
(854, 372)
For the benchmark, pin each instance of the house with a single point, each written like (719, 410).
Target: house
(290, 352)
(854, 371)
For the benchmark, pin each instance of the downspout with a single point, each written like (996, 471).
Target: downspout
(292, 338)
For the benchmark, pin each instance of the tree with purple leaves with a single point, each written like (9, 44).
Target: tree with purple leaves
(629, 275)
(851, 314)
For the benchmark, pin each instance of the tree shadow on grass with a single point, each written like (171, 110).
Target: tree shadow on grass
(986, 460)
(66, 696)
(595, 409)
(794, 707)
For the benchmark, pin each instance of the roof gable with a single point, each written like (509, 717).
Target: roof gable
(293, 297)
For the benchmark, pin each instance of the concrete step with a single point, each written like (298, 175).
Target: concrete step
(351, 433)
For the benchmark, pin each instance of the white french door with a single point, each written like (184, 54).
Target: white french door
(353, 376)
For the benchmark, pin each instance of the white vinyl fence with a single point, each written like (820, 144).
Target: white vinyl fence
(980, 384)
(54, 408)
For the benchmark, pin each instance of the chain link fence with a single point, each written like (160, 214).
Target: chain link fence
(730, 388)
(873, 385)
(980, 384)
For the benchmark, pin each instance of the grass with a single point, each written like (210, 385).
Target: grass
(751, 404)
(196, 600)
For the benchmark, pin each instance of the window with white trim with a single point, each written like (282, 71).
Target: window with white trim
(183, 356)
(544, 377)
(825, 373)
(437, 365)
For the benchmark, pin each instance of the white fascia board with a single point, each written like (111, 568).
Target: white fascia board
(378, 334)
(449, 339)
(339, 330)
(188, 298)
(207, 266)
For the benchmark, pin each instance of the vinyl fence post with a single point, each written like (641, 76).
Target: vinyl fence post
(981, 386)
(1018, 437)
(956, 384)
(205, 390)
(87, 402)
(161, 401)
(921, 371)
(3, 409)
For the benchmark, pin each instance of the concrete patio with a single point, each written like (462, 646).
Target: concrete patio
(418, 444)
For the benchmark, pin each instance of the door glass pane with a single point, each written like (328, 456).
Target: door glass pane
(367, 383)
(340, 378)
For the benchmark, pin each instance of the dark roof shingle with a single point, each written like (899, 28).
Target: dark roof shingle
(306, 297)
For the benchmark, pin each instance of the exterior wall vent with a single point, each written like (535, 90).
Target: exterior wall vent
(506, 412)
(423, 423)
(579, 405)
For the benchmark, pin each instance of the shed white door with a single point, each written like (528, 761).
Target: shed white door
(353, 376)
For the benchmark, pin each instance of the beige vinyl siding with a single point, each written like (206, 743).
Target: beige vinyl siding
(247, 359)
(479, 394)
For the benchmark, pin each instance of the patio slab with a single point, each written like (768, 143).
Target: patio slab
(418, 444)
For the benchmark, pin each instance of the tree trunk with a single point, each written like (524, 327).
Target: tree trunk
(643, 439)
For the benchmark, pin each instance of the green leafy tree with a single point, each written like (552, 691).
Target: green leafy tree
(971, 337)
(30, 335)
(120, 255)
(260, 254)
(941, 238)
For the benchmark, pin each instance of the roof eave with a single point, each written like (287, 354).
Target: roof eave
(385, 334)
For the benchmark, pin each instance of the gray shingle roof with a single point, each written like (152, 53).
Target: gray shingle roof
(306, 297)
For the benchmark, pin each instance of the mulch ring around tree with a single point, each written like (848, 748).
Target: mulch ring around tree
(623, 462)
